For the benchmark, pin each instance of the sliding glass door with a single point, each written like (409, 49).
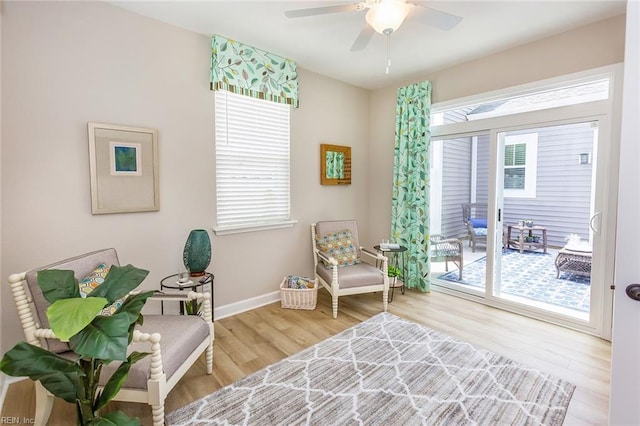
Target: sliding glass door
(459, 197)
(545, 184)
(522, 189)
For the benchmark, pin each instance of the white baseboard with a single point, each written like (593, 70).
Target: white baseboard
(246, 305)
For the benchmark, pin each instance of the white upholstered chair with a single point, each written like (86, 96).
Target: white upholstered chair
(174, 341)
(340, 279)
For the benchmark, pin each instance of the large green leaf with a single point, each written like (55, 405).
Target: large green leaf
(58, 284)
(134, 304)
(106, 338)
(68, 316)
(58, 375)
(115, 418)
(117, 379)
(119, 281)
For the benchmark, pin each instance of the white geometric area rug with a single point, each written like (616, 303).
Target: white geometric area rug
(387, 371)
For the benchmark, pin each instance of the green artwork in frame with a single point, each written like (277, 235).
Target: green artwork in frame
(335, 165)
(125, 159)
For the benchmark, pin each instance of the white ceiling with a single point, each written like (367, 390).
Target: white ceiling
(321, 43)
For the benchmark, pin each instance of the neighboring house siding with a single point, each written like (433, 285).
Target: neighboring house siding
(456, 186)
(456, 178)
(563, 187)
(482, 179)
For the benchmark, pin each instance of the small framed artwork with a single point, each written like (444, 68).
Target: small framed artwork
(123, 162)
(335, 165)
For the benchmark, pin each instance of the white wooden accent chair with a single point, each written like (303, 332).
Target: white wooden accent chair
(346, 280)
(175, 341)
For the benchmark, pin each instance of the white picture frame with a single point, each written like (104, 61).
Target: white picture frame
(123, 163)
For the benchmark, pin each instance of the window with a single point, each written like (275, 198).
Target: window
(252, 163)
(515, 161)
(520, 165)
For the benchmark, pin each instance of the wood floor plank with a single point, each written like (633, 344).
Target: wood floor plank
(252, 340)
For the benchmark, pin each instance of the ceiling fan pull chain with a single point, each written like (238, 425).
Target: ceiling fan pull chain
(388, 53)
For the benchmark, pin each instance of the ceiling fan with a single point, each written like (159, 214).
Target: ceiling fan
(383, 16)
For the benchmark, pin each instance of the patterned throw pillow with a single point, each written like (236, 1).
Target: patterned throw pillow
(93, 280)
(339, 245)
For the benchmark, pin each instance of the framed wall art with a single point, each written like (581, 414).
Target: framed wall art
(123, 162)
(335, 165)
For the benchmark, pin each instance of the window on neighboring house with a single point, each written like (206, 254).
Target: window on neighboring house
(252, 163)
(520, 165)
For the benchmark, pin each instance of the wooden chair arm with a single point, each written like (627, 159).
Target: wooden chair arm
(328, 259)
(179, 296)
(375, 255)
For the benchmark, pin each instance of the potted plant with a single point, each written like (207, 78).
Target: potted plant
(96, 339)
(393, 272)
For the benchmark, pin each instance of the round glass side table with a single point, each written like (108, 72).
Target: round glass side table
(172, 282)
(397, 259)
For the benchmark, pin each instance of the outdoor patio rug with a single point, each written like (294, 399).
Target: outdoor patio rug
(386, 371)
(531, 275)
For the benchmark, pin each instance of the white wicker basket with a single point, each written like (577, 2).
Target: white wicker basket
(294, 298)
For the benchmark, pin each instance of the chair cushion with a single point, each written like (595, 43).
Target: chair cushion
(480, 232)
(478, 222)
(82, 266)
(358, 275)
(340, 246)
(181, 334)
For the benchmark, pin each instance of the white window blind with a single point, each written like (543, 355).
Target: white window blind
(520, 165)
(252, 162)
(515, 161)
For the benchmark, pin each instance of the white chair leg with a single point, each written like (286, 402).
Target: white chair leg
(158, 414)
(44, 404)
(209, 357)
(385, 299)
(334, 303)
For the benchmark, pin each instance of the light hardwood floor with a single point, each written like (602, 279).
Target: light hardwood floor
(252, 340)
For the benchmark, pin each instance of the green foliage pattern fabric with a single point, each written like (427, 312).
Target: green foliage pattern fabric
(410, 201)
(242, 69)
(334, 162)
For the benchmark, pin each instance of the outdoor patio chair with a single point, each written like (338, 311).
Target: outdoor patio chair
(175, 342)
(474, 216)
(338, 266)
(447, 250)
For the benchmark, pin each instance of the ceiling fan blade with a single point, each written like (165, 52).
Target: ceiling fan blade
(300, 13)
(436, 18)
(363, 38)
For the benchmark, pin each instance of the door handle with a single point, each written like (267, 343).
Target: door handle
(633, 291)
(592, 222)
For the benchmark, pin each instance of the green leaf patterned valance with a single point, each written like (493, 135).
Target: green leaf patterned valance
(248, 71)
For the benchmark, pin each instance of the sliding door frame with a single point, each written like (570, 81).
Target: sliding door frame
(607, 114)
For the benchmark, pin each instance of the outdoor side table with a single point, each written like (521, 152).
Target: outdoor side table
(573, 262)
(171, 282)
(519, 241)
(398, 256)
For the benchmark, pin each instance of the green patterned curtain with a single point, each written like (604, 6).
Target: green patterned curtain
(246, 70)
(410, 202)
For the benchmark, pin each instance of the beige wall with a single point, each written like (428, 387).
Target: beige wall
(585, 48)
(67, 63)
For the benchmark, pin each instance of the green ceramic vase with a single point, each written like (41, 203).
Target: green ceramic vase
(197, 252)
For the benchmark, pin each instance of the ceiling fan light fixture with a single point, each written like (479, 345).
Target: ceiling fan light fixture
(386, 16)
